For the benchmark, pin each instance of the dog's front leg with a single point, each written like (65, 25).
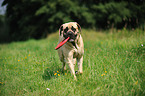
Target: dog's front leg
(71, 66)
(80, 64)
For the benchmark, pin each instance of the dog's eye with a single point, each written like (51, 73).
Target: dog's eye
(73, 29)
(66, 29)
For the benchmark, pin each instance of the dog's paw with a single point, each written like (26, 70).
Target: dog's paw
(81, 73)
(75, 78)
(76, 72)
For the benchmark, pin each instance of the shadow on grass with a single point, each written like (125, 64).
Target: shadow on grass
(54, 72)
(50, 73)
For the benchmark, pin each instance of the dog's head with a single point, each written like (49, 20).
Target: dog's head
(71, 29)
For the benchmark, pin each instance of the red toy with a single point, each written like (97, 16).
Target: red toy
(62, 43)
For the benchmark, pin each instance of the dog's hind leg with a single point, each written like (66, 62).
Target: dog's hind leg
(80, 64)
(74, 62)
(63, 66)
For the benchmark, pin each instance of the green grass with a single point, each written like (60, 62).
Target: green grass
(114, 65)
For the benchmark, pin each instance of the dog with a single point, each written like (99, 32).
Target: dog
(73, 49)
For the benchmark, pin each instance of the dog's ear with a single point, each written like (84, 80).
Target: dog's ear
(79, 27)
(60, 30)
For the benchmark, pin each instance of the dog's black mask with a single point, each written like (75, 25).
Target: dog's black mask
(70, 33)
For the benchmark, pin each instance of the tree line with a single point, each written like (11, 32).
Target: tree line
(37, 18)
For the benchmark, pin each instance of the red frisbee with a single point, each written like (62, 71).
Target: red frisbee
(62, 43)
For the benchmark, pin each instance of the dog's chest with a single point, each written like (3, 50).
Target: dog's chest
(75, 54)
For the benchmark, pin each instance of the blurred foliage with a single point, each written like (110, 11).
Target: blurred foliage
(111, 13)
(3, 29)
(37, 18)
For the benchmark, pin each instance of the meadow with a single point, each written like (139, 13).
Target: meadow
(114, 65)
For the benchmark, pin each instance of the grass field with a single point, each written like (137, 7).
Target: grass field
(114, 65)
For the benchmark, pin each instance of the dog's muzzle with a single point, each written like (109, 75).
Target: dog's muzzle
(71, 35)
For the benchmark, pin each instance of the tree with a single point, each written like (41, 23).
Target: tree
(22, 22)
(111, 13)
(37, 18)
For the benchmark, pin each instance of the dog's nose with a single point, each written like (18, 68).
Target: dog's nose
(69, 33)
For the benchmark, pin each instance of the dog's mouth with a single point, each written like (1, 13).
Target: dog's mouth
(62, 43)
(71, 35)
(71, 40)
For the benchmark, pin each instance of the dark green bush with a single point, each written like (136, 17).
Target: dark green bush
(37, 18)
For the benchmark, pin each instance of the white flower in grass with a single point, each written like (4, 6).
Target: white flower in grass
(47, 88)
(142, 45)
